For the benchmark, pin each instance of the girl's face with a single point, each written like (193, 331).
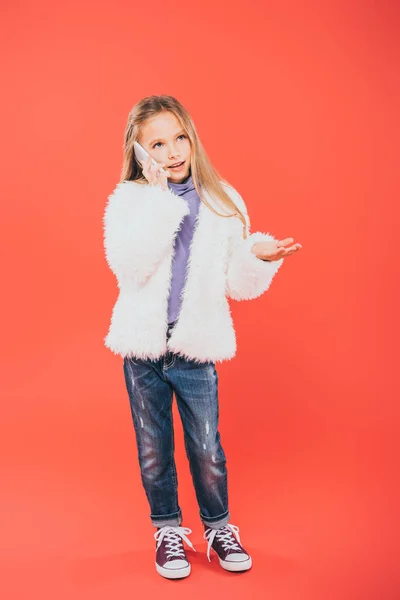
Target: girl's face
(163, 137)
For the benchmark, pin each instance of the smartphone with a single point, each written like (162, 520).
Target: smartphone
(142, 154)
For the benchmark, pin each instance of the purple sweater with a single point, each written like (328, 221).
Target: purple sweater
(183, 240)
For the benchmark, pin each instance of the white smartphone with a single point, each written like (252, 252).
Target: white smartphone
(142, 154)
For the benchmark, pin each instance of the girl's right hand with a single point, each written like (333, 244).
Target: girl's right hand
(153, 174)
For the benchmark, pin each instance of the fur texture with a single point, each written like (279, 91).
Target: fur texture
(140, 226)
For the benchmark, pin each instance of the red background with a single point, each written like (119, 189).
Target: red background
(297, 105)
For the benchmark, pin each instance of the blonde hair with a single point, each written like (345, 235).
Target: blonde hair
(204, 175)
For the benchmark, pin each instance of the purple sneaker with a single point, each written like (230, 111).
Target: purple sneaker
(171, 559)
(232, 556)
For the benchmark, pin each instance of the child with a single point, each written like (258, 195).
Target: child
(179, 245)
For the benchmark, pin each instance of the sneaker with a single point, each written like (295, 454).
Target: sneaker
(232, 556)
(171, 559)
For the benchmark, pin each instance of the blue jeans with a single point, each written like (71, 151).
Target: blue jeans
(150, 385)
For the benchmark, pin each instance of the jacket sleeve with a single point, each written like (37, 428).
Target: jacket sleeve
(248, 276)
(140, 222)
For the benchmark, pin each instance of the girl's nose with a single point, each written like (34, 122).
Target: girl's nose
(173, 152)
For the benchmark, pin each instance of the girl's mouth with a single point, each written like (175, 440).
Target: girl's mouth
(177, 168)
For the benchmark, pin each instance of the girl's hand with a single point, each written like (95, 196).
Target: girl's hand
(153, 174)
(275, 250)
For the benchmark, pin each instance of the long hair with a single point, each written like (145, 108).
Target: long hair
(204, 174)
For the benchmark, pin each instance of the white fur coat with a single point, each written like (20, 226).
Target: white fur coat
(140, 224)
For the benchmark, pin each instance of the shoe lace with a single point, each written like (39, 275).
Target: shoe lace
(173, 540)
(224, 534)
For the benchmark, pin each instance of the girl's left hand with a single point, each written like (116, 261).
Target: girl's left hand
(276, 249)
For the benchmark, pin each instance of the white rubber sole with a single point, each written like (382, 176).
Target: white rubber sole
(173, 573)
(229, 565)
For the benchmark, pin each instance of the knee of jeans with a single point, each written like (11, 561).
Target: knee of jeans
(151, 463)
(207, 452)
(151, 470)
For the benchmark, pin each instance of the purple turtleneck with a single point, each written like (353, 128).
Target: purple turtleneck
(183, 240)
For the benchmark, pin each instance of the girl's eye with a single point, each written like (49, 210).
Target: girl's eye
(179, 136)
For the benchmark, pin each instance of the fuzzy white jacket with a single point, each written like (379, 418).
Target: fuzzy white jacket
(140, 225)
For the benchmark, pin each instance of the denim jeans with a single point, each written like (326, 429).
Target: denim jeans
(150, 385)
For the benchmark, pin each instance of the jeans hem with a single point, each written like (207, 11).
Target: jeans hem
(216, 522)
(171, 520)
